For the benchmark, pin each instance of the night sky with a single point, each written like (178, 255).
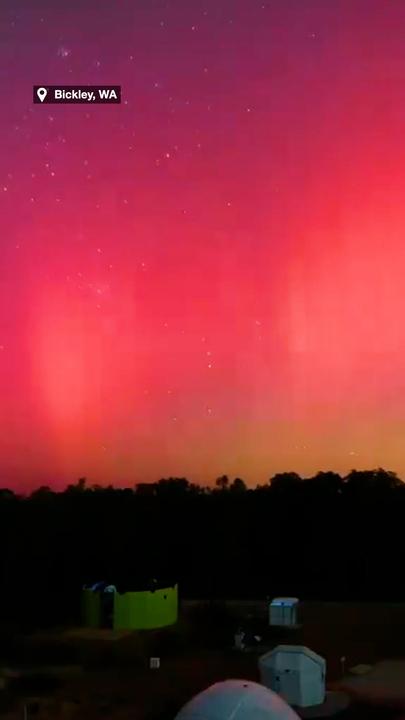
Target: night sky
(210, 277)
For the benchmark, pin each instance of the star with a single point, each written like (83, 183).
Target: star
(63, 52)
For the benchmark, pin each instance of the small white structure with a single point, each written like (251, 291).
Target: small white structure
(296, 673)
(154, 663)
(236, 700)
(283, 611)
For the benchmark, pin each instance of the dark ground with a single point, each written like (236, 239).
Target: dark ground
(100, 677)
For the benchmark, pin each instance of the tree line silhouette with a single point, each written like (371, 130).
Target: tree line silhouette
(325, 537)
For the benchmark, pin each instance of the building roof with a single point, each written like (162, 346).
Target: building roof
(237, 700)
(134, 584)
(292, 650)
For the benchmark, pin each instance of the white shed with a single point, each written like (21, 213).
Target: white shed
(236, 700)
(296, 673)
(283, 611)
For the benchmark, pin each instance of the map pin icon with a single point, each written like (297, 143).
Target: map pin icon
(42, 93)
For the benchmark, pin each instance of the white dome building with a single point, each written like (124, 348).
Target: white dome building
(239, 700)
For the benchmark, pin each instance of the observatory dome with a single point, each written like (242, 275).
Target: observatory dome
(239, 700)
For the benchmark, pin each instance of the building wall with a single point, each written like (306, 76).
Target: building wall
(91, 609)
(296, 677)
(283, 613)
(145, 610)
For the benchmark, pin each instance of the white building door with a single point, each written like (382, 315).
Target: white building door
(290, 686)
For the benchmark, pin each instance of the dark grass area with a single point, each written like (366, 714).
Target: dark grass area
(115, 680)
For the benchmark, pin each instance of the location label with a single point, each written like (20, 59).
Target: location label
(42, 93)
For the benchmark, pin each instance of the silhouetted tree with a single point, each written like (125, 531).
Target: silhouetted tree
(80, 486)
(222, 483)
(286, 478)
(6, 494)
(326, 483)
(323, 537)
(43, 493)
(173, 487)
(285, 482)
(146, 489)
(371, 481)
(238, 486)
